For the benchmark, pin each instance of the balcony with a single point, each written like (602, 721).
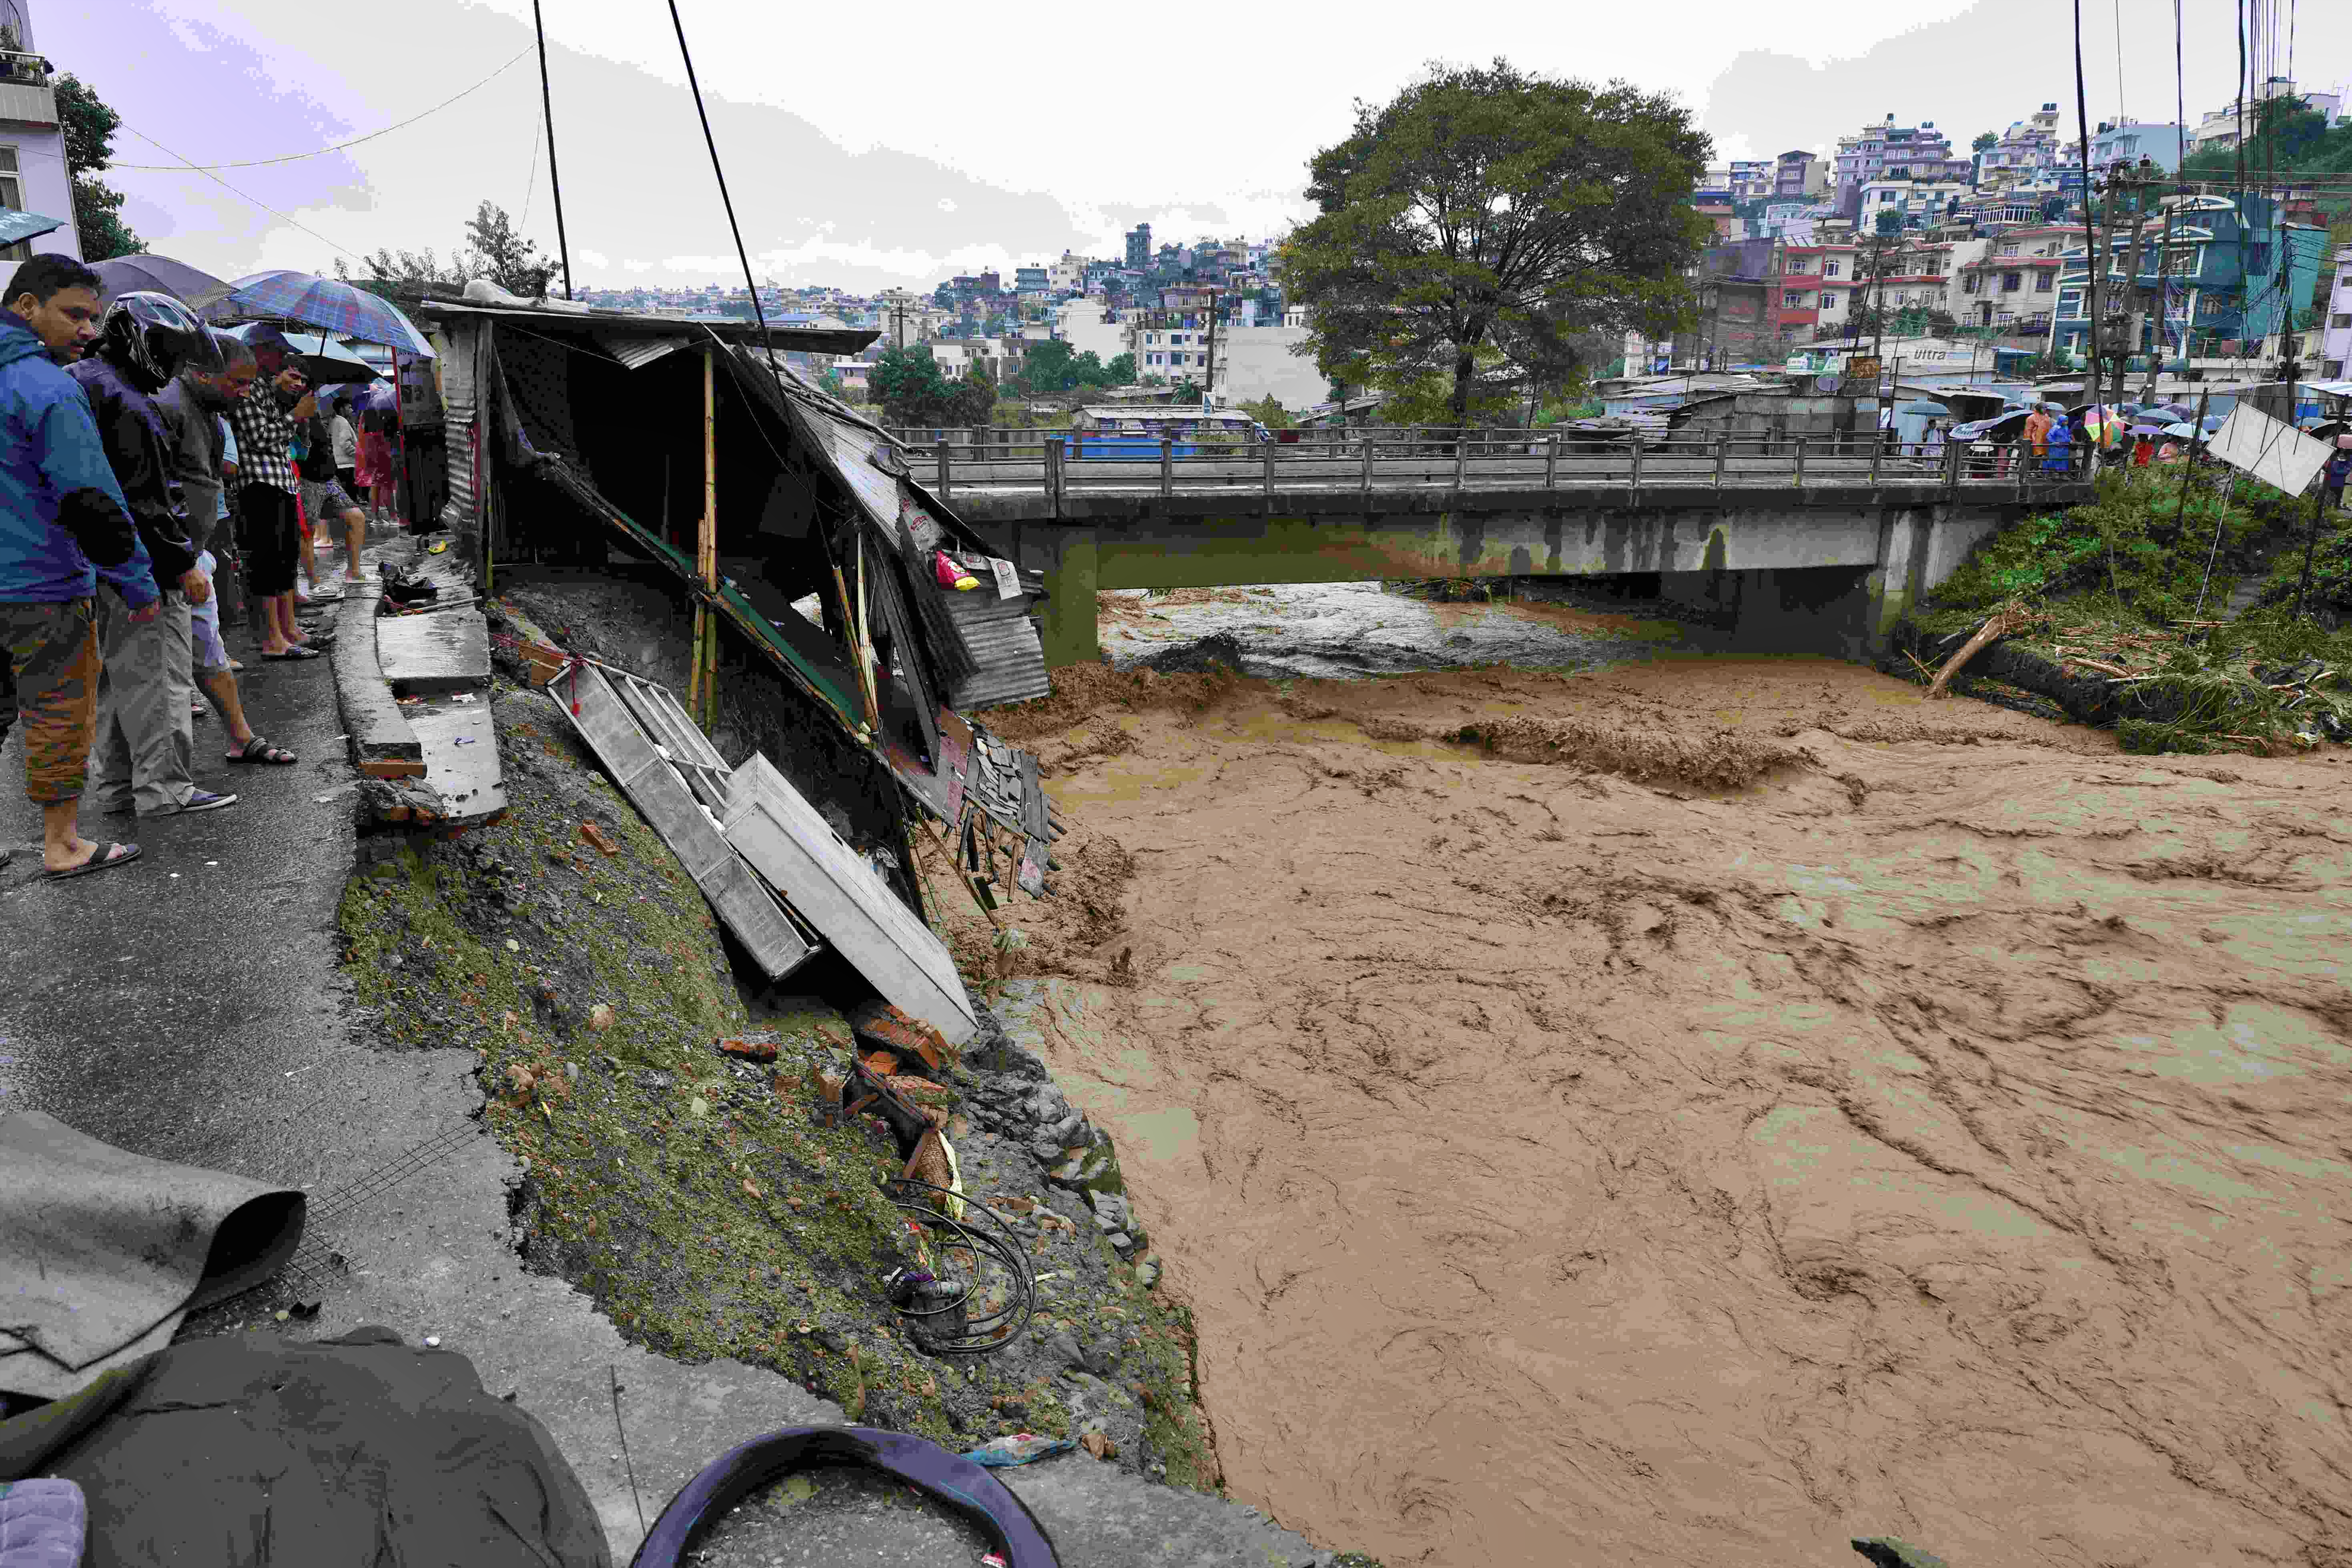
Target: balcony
(25, 96)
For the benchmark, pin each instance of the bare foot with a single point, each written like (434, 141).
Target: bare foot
(75, 851)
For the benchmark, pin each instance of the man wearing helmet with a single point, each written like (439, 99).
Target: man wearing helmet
(144, 737)
(63, 527)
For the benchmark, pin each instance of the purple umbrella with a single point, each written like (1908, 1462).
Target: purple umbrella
(324, 302)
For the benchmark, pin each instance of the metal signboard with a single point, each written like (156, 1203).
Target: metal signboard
(2270, 450)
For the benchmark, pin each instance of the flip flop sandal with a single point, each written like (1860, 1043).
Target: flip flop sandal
(295, 653)
(113, 855)
(259, 753)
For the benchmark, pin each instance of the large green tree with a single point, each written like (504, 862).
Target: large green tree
(1485, 209)
(2284, 134)
(89, 126)
(908, 385)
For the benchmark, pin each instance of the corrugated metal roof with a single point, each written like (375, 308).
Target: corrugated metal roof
(638, 353)
(606, 325)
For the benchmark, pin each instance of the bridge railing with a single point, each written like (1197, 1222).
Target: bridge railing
(1388, 459)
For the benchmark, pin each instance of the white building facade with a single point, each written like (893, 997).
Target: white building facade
(33, 177)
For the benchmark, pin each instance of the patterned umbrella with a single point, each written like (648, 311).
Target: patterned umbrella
(323, 302)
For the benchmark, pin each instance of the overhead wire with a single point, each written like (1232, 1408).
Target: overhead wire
(241, 195)
(750, 282)
(322, 152)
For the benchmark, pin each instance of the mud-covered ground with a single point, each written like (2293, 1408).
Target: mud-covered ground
(1914, 1119)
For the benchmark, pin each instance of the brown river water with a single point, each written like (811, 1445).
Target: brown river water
(1947, 1134)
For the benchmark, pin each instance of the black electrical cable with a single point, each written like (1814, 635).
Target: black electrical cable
(554, 179)
(728, 201)
(984, 1335)
(2095, 259)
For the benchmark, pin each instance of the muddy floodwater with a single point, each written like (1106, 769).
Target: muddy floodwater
(1946, 1134)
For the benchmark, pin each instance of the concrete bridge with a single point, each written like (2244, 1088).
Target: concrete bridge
(1820, 544)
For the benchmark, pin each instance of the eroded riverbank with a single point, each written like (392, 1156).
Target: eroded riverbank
(1943, 1136)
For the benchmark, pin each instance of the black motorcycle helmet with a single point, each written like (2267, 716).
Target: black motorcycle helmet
(152, 337)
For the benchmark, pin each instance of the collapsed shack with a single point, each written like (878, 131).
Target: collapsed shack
(792, 527)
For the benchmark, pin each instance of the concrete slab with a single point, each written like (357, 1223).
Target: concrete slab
(443, 650)
(461, 759)
(381, 739)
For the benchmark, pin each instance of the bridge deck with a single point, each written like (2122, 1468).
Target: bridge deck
(990, 482)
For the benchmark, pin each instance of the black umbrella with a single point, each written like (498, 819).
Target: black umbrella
(195, 288)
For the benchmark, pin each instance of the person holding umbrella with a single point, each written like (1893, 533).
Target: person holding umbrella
(263, 422)
(142, 757)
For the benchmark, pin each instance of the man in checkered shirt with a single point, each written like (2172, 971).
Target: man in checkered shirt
(270, 534)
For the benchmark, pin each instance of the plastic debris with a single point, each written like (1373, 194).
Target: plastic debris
(1022, 1448)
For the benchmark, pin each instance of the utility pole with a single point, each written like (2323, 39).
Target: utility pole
(2162, 344)
(2094, 248)
(554, 181)
(1209, 387)
(2135, 299)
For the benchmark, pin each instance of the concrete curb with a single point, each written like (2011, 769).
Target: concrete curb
(384, 746)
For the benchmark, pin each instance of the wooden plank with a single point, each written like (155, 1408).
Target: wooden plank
(831, 885)
(661, 796)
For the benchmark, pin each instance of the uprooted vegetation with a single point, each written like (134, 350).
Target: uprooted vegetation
(691, 1192)
(2123, 615)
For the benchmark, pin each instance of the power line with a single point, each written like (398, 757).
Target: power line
(766, 338)
(322, 152)
(231, 190)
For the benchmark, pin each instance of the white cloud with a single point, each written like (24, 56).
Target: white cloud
(946, 205)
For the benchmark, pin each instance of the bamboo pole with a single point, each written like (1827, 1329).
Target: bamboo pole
(706, 624)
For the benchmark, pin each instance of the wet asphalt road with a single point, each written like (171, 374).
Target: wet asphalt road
(162, 1005)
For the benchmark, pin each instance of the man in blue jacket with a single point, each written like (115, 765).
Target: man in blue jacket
(144, 759)
(63, 526)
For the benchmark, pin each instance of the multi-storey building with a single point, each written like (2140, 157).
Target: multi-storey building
(1922, 272)
(1813, 285)
(2129, 141)
(1799, 173)
(2014, 285)
(2335, 332)
(1919, 203)
(1139, 247)
(33, 177)
(1751, 178)
(2231, 274)
(2031, 144)
(1909, 151)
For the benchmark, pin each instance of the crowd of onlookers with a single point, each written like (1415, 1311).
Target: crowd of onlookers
(162, 461)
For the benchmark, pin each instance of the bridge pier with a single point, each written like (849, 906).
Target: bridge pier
(1073, 575)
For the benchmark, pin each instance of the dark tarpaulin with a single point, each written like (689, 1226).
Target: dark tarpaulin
(237, 1453)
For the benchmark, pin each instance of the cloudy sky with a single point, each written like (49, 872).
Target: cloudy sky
(901, 144)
